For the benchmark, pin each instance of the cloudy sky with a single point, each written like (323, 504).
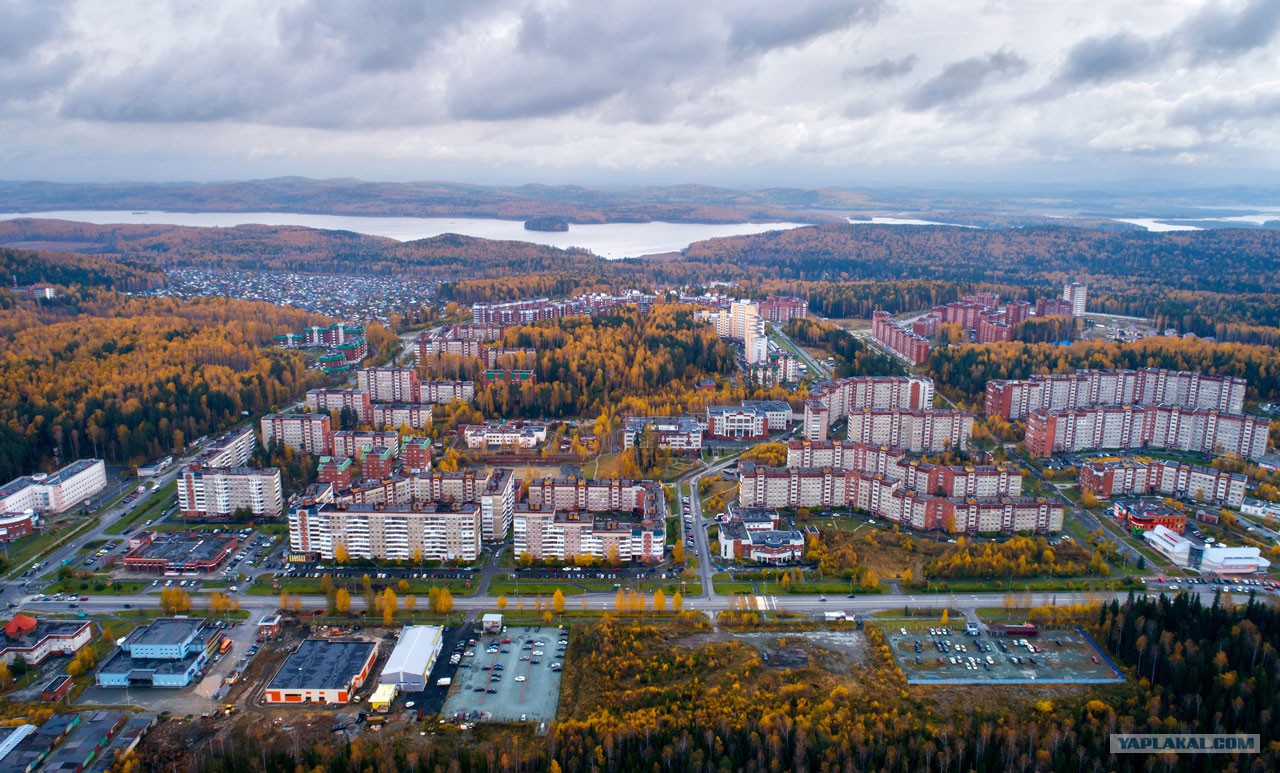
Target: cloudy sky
(752, 92)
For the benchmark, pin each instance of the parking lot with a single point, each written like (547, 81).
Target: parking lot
(510, 677)
(950, 656)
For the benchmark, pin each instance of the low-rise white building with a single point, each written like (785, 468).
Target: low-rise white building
(54, 492)
(1207, 558)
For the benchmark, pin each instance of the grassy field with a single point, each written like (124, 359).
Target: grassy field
(30, 548)
(1020, 586)
(98, 587)
(310, 587)
(156, 504)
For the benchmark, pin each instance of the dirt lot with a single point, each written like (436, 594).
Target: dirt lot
(834, 651)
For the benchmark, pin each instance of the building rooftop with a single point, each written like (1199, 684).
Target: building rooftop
(415, 651)
(322, 664)
(185, 547)
(166, 630)
(51, 479)
(24, 635)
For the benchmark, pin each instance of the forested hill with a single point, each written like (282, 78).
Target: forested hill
(1220, 260)
(576, 204)
(294, 248)
(26, 268)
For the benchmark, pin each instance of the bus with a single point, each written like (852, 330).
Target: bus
(225, 646)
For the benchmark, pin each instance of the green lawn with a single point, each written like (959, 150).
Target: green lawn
(311, 587)
(30, 548)
(156, 504)
(1020, 586)
(90, 587)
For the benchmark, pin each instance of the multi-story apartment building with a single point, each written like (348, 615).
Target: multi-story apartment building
(335, 400)
(54, 492)
(674, 433)
(415, 454)
(446, 391)
(1132, 477)
(914, 431)
(426, 532)
(220, 492)
(779, 367)
(336, 470)
(307, 432)
(355, 443)
(230, 449)
(783, 308)
(893, 464)
(594, 496)
(898, 339)
(1075, 293)
(544, 533)
(378, 463)
(497, 504)
(389, 385)
(992, 329)
(752, 420)
(1014, 399)
(416, 415)
(1053, 307)
(895, 501)
(831, 401)
(1146, 426)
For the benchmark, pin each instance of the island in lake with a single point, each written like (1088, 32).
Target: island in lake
(546, 223)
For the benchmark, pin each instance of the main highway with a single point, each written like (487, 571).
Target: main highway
(807, 604)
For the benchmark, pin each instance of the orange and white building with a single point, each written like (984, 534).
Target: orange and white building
(322, 671)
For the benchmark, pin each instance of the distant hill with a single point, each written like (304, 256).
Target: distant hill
(25, 267)
(681, 204)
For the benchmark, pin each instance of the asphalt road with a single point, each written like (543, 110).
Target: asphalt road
(862, 603)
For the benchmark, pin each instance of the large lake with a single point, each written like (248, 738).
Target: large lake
(609, 240)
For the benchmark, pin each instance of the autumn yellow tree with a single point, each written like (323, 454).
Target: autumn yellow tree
(501, 603)
(677, 601)
(410, 604)
(557, 601)
(389, 606)
(620, 600)
(677, 553)
(174, 601)
(340, 554)
(659, 601)
(342, 601)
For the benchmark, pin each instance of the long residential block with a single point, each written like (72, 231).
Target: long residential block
(1165, 427)
(891, 500)
(1016, 399)
(914, 431)
(220, 492)
(545, 533)
(1131, 477)
(428, 532)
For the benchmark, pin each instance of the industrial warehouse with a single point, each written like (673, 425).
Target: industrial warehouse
(413, 658)
(322, 671)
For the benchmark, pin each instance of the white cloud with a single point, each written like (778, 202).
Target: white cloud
(737, 91)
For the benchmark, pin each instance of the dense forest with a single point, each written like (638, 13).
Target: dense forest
(642, 696)
(23, 267)
(962, 372)
(128, 379)
(619, 363)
